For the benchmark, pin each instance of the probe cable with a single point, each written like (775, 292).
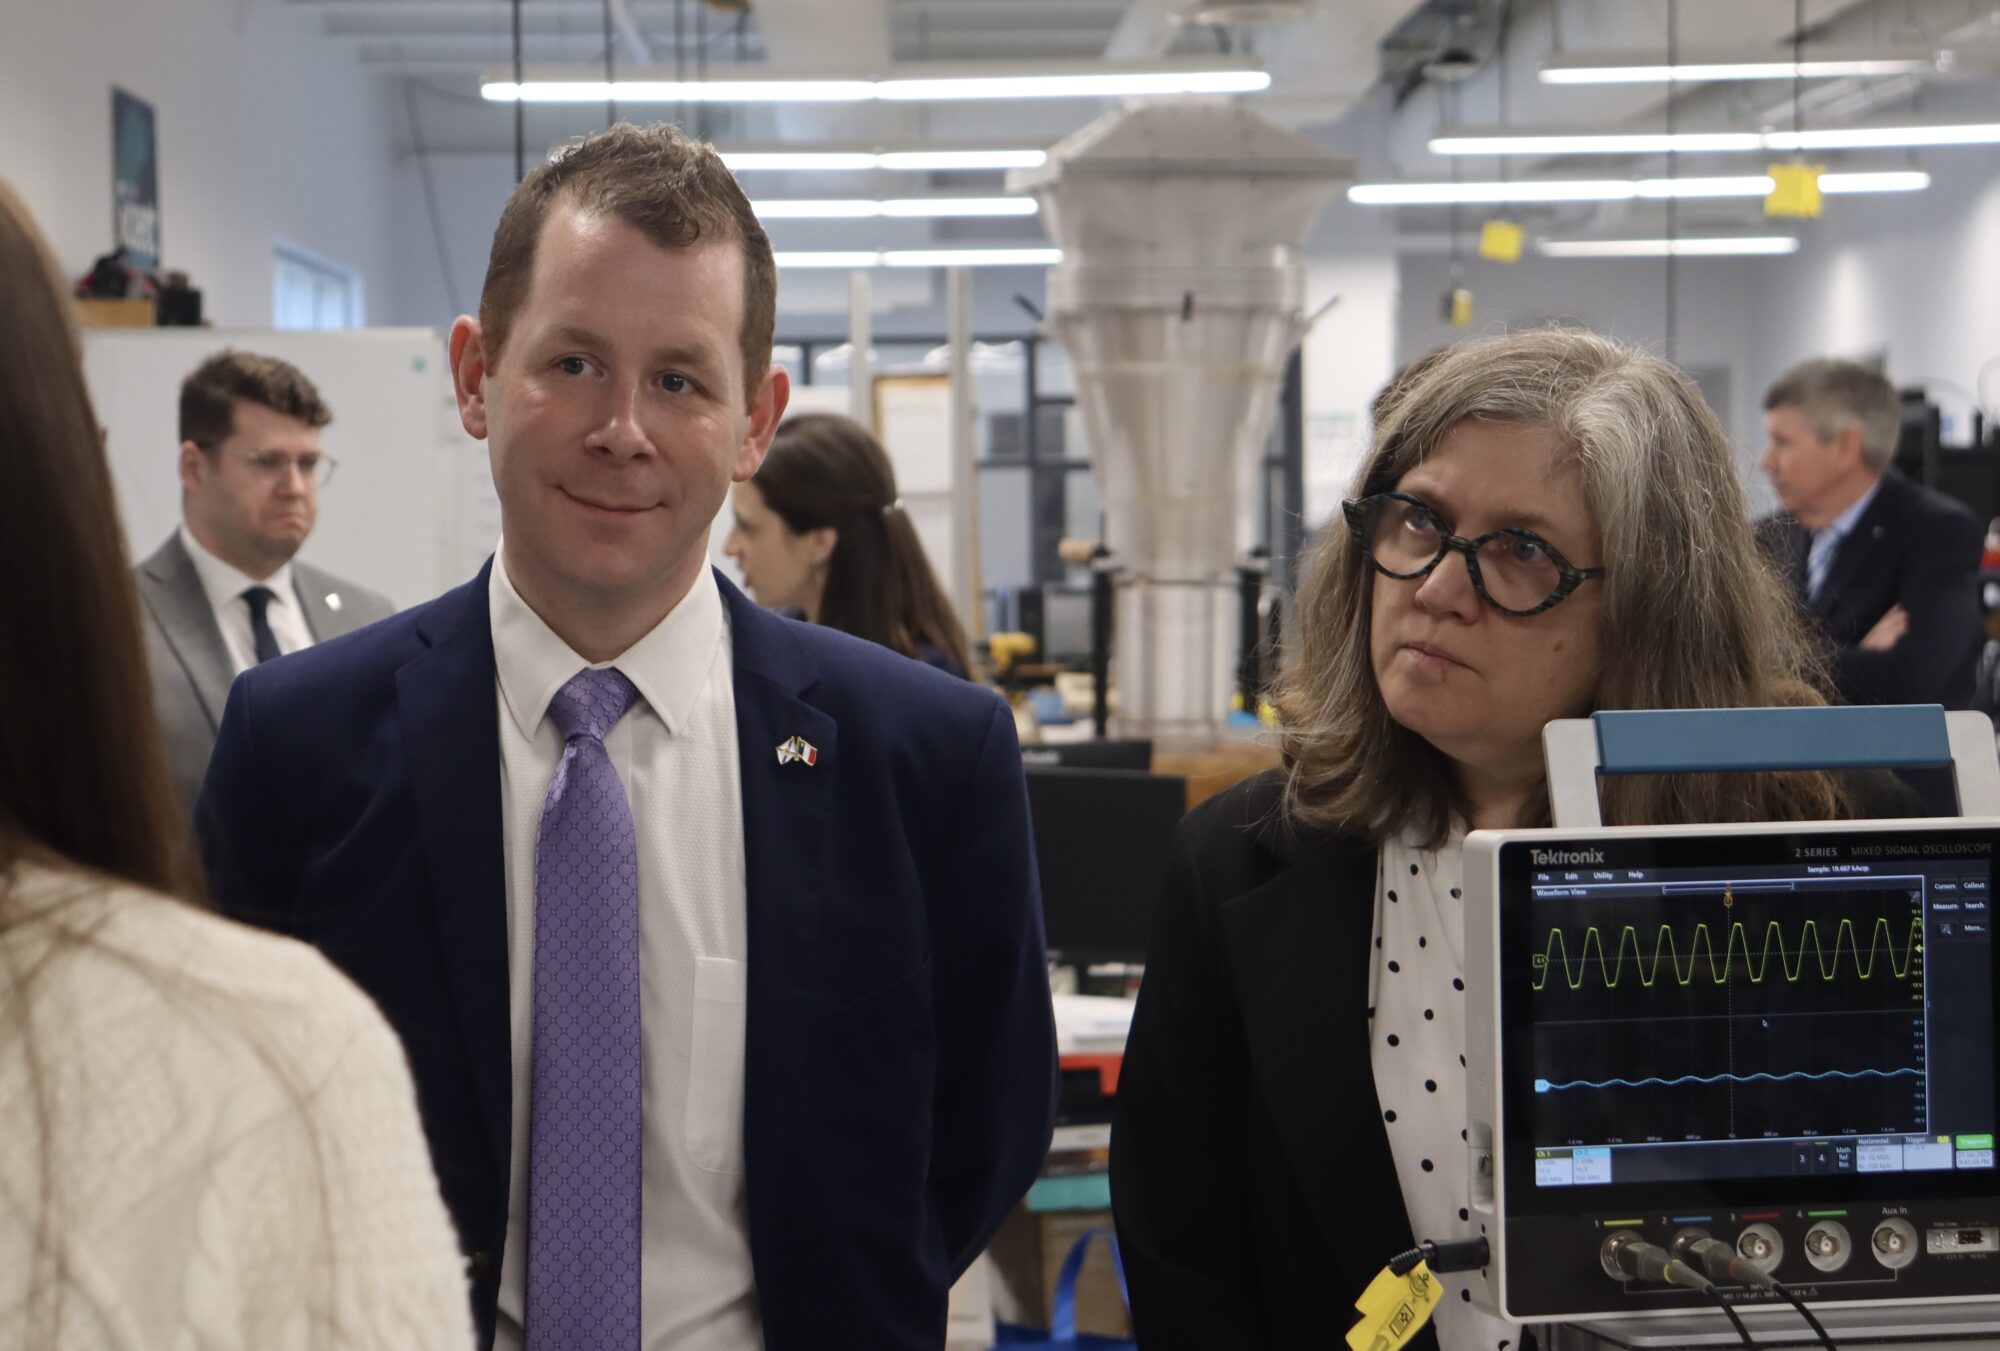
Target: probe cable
(1628, 1256)
(1722, 1263)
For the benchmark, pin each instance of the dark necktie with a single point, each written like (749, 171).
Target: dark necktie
(259, 599)
(585, 1174)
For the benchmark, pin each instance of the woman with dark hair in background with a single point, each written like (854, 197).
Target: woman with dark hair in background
(821, 530)
(207, 1136)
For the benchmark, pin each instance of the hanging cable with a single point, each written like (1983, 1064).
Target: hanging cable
(1819, 1329)
(701, 118)
(423, 155)
(520, 106)
(1673, 168)
(1735, 1320)
(680, 60)
(610, 103)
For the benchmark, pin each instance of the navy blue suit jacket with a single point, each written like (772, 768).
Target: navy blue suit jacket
(900, 1058)
(1912, 547)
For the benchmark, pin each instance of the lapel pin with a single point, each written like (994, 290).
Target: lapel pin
(333, 600)
(798, 749)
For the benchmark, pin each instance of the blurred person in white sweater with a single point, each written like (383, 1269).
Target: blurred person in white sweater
(208, 1136)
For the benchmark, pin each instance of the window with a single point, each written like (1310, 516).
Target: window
(309, 291)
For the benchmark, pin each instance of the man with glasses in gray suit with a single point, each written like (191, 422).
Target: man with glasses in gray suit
(224, 593)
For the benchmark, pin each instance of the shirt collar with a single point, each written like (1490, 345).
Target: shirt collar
(223, 582)
(1840, 526)
(668, 666)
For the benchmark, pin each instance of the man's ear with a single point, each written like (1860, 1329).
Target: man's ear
(190, 466)
(468, 374)
(1848, 442)
(767, 409)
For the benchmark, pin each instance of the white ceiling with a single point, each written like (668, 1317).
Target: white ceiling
(1350, 75)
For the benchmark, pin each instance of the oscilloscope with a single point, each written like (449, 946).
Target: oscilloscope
(1781, 1036)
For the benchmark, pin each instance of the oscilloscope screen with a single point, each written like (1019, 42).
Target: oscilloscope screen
(1710, 1022)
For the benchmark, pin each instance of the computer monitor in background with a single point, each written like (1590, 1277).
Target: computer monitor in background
(1102, 838)
(1137, 755)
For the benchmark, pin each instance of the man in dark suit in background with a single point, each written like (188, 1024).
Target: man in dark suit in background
(225, 591)
(713, 937)
(1887, 568)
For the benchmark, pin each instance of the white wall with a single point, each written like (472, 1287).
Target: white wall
(266, 129)
(1349, 355)
(1718, 302)
(1915, 280)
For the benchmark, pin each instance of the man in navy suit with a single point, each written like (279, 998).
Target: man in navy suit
(1887, 568)
(713, 937)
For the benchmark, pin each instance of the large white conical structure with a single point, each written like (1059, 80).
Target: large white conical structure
(1179, 298)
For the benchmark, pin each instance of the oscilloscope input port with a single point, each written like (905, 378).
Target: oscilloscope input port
(1894, 1243)
(1761, 1246)
(1828, 1245)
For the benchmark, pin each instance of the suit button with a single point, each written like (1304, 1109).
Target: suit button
(483, 1266)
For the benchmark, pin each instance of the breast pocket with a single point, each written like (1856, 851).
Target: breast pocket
(715, 1070)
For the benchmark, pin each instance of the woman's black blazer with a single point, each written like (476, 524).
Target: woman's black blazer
(1250, 1169)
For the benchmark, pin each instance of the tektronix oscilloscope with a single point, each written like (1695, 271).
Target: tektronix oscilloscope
(1780, 1038)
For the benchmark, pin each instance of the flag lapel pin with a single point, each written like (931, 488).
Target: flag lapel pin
(798, 749)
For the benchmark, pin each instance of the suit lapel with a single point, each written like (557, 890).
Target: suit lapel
(788, 811)
(451, 744)
(1853, 557)
(312, 589)
(172, 591)
(1307, 1022)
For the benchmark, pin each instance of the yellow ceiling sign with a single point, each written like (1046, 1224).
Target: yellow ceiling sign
(1794, 190)
(1500, 241)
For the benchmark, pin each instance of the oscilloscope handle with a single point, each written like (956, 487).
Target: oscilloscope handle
(1725, 740)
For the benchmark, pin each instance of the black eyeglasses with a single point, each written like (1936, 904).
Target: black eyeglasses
(1517, 572)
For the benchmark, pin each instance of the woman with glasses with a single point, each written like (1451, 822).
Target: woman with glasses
(208, 1136)
(1547, 524)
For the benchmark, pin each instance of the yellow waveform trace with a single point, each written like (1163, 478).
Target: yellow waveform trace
(1791, 961)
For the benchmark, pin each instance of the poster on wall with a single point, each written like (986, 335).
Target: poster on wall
(135, 181)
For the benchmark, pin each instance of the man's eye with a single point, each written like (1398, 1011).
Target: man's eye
(572, 365)
(675, 384)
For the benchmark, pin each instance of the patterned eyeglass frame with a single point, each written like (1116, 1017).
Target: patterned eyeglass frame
(1571, 577)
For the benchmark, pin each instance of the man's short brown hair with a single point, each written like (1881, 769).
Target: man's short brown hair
(208, 397)
(673, 188)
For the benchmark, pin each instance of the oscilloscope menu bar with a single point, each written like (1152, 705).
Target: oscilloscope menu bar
(1775, 1020)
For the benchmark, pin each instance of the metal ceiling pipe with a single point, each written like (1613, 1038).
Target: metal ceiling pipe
(1179, 299)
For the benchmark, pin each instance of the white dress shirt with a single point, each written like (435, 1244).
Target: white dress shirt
(1826, 541)
(675, 752)
(1416, 1033)
(224, 586)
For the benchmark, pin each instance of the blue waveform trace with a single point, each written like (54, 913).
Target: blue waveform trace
(1544, 1086)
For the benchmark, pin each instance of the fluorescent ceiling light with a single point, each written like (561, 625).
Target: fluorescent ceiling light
(1109, 84)
(923, 258)
(1741, 245)
(848, 208)
(925, 161)
(1822, 64)
(971, 257)
(678, 91)
(1056, 80)
(1529, 191)
(744, 161)
(963, 159)
(1699, 142)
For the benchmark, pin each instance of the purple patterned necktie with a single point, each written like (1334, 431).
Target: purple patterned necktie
(584, 1162)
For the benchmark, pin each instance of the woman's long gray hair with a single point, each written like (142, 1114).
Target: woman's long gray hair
(1694, 615)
